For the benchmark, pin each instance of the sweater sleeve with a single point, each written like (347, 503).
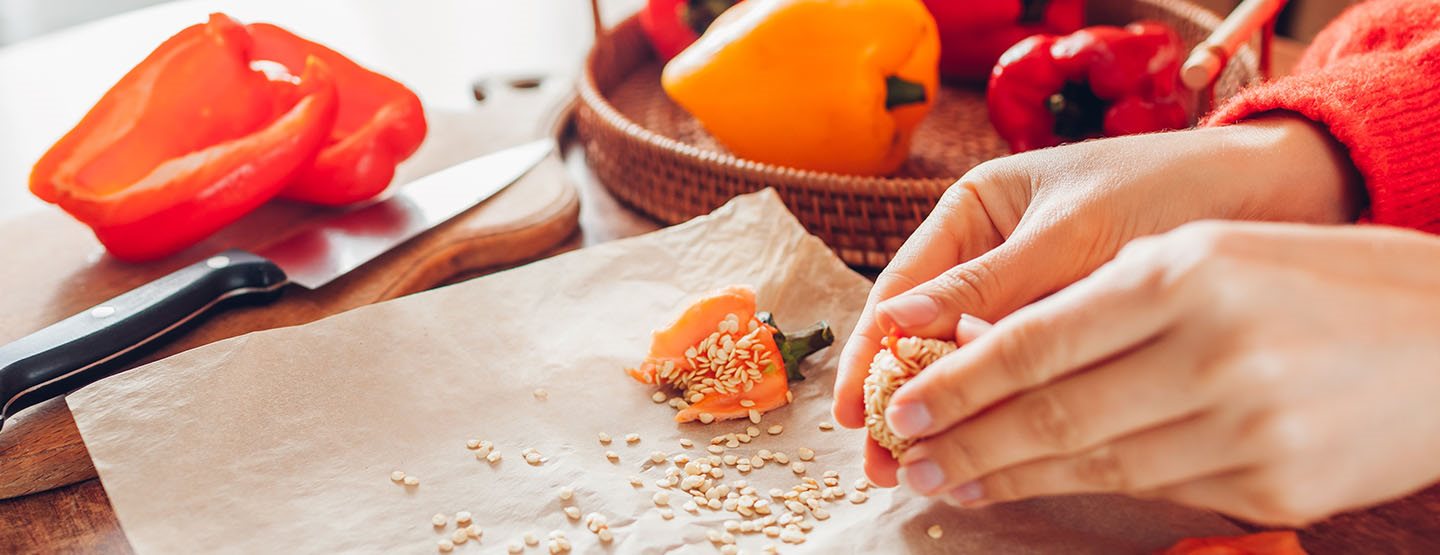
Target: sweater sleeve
(1372, 78)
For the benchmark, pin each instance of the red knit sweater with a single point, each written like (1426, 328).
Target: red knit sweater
(1373, 79)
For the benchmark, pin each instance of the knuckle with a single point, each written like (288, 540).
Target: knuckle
(1102, 469)
(1002, 486)
(964, 286)
(1021, 357)
(964, 460)
(1051, 423)
(1279, 432)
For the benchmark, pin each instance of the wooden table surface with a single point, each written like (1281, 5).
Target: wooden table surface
(79, 518)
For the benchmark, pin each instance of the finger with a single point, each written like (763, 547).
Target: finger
(1244, 493)
(955, 230)
(880, 466)
(1124, 304)
(1143, 462)
(1140, 390)
(1023, 268)
(970, 328)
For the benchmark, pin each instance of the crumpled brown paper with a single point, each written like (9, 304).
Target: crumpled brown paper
(283, 441)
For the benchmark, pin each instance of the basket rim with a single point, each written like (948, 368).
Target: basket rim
(591, 98)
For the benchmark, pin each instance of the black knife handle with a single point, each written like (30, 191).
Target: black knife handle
(75, 351)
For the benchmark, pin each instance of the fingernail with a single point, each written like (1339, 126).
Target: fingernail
(911, 311)
(908, 419)
(921, 477)
(968, 495)
(969, 328)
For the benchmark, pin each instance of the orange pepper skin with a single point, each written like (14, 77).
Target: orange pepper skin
(165, 158)
(1264, 543)
(380, 123)
(803, 83)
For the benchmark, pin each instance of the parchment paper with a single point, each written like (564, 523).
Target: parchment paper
(283, 441)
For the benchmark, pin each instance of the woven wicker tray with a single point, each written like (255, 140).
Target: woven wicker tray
(657, 159)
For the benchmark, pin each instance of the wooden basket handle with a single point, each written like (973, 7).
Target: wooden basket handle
(1209, 57)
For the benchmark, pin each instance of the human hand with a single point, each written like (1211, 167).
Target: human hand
(1020, 227)
(1279, 373)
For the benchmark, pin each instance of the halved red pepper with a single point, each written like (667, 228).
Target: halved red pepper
(185, 143)
(380, 123)
(1098, 81)
(973, 35)
(673, 24)
(1264, 543)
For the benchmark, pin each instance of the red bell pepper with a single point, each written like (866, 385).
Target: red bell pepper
(973, 35)
(186, 142)
(673, 24)
(380, 123)
(1264, 543)
(1099, 81)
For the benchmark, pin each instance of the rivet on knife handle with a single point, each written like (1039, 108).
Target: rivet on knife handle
(77, 350)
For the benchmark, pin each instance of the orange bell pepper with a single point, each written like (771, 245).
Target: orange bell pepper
(186, 142)
(380, 124)
(812, 84)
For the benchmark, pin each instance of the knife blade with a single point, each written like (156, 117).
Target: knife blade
(77, 350)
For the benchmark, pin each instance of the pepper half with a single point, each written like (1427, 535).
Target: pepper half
(1099, 81)
(185, 143)
(973, 35)
(812, 84)
(380, 123)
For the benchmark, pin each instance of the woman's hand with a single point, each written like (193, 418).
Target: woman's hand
(1021, 227)
(1279, 373)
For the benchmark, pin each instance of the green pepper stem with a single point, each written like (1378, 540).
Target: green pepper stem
(699, 14)
(796, 346)
(899, 92)
(1033, 11)
(1079, 114)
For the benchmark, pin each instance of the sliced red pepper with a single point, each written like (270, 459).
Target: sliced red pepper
(973, 35)
(1264, 543)
(1099, 81)
(380, 123)
(187, 142)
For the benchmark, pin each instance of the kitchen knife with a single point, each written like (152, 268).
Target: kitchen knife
(75, 351)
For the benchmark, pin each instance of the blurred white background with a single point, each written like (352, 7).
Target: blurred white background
(22, 19)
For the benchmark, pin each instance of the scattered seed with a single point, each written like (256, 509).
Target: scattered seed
(462, 518)
(446, 546)
(604, 438)
(612, 456)
(531, 540)
(439, 520)
(515, 547)
(474, 531)
(826, 426)
(541, 394)
(934, 532)
(716, 449)
(605, 535)
(706, 418)
(747, 403)
(472, 444)
(658, 397)
(686, 443)
(696, 398)
(729, 549)
(755, 416)
(858, 497)
(412, 481)
(661, 498)
(533, 458)
(691, 507)
(776, 429)
(397, 476)
(636, 481)
(821, 514)
(632, 438)
(657, 457)
(782, 458)
(493, 457)
(797, 467)
(806, 454)
(459, 536)
(752, 432)
(566, 493)
(862, 484)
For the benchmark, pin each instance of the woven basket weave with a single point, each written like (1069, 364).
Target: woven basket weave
(654, 157)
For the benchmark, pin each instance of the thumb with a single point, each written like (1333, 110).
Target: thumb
(989, 286)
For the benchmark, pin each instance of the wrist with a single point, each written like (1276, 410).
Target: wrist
(1293, 170)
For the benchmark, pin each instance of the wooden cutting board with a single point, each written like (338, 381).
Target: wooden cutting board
(52, 267)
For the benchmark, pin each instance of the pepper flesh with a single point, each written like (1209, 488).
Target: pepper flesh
(1099, 81)
(1264, 543)
(380, 123)
(672, 25)
(973, 35)
(165, 159)
(808, 83)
